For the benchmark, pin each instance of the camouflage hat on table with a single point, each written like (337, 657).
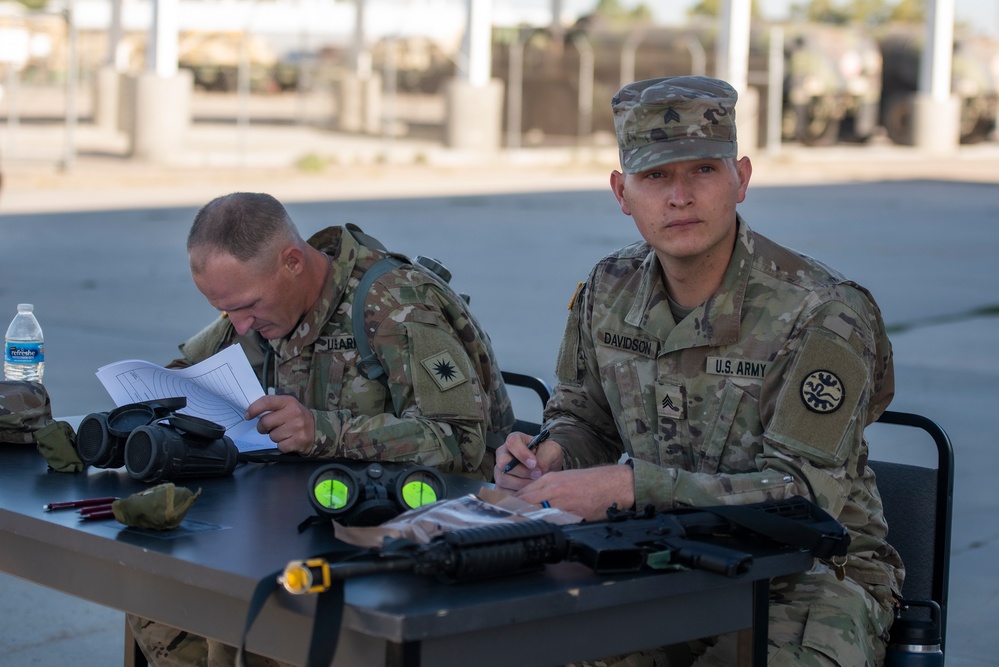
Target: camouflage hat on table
(659, 121)
(26, 418)
(24, 410)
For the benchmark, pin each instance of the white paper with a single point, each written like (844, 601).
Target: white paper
(218, 389)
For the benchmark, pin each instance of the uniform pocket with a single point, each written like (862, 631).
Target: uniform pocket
(843, 638)
(717, 433)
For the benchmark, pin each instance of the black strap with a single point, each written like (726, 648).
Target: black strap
(328, 618)
(265, 587)
(364, 239)
(368, 363)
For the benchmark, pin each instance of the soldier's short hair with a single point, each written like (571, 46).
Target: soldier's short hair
(659, 121)
(246, 225)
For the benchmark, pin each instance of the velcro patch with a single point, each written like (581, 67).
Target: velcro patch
(816, 407)
(670, 401)
(443, 369)
(339, 343)
(444, 383)
(643, 346)
(743, 368)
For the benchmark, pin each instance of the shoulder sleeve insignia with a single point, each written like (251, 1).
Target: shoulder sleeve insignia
(819, 400)
(444, 371)
(822, 391)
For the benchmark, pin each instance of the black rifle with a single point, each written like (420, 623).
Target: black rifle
(710, 538)
(625, 542)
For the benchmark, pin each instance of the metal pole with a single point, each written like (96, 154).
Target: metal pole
(937, 57)
(479, 42)
(585, 101)
(243, 96)
(360, 55)
(243, 85)
(114, 37)
(628, 52)
(390, 86)
(69, 150)
(162, 50)
(733, 43)
(515, 93)
(13, 119)
(698, 59)
(775, 90)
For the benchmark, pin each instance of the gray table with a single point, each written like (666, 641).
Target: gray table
(200, 577)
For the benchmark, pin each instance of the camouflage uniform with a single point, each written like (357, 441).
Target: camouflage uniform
(444, 403)
(761, 392)
(446, 398)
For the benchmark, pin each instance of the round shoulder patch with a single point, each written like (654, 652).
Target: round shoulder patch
(822, 391)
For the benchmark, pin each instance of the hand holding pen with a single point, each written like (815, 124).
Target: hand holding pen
(532, 445)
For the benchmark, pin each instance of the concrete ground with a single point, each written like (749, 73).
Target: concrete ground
(919, 230)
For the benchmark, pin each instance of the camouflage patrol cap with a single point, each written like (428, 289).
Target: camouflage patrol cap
(24, 409)
(659, 121)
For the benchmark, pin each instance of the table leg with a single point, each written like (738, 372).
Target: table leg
(404, 654)
(761, 621)
(133, 654)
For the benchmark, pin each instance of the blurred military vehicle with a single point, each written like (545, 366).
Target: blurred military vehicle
(974, 80)
(214, 59)
(832, 84)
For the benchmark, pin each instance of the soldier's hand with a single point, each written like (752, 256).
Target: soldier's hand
(290, 425)
(547, 457)
(586, 493)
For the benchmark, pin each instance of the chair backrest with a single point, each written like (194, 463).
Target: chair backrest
(918, 505)
(539, 387)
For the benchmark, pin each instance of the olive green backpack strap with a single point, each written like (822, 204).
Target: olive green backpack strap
(364, 239)
(367, 362)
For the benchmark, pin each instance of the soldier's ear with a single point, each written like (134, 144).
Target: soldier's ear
(617, 187)
(744, 168)
(293, 260)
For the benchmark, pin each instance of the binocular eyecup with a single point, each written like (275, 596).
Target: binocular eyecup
(362, 493)
(155, 443)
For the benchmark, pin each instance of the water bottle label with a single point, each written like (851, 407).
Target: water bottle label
(24, 353)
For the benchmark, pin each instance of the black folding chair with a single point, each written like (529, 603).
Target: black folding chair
(539, 387)
(918, 505)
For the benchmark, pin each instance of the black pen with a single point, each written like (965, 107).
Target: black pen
(532, 445)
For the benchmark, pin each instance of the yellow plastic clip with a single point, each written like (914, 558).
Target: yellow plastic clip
(304, 577)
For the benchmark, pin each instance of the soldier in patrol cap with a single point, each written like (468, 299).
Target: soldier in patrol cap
(288, 303)
(709, 365)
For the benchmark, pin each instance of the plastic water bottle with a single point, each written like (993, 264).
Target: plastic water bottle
(24, 346)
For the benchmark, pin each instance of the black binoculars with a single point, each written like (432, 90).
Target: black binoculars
(357, 493)
(155, 443)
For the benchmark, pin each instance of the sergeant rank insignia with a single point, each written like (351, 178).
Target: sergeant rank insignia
(822, 391)
(444, 371)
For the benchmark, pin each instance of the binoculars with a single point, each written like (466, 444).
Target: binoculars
(359, 493)
(155, 443)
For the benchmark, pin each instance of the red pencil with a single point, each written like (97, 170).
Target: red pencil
(95, 509)
(88, 502)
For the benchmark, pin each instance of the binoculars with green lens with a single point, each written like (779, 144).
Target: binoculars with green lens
(360, 493)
